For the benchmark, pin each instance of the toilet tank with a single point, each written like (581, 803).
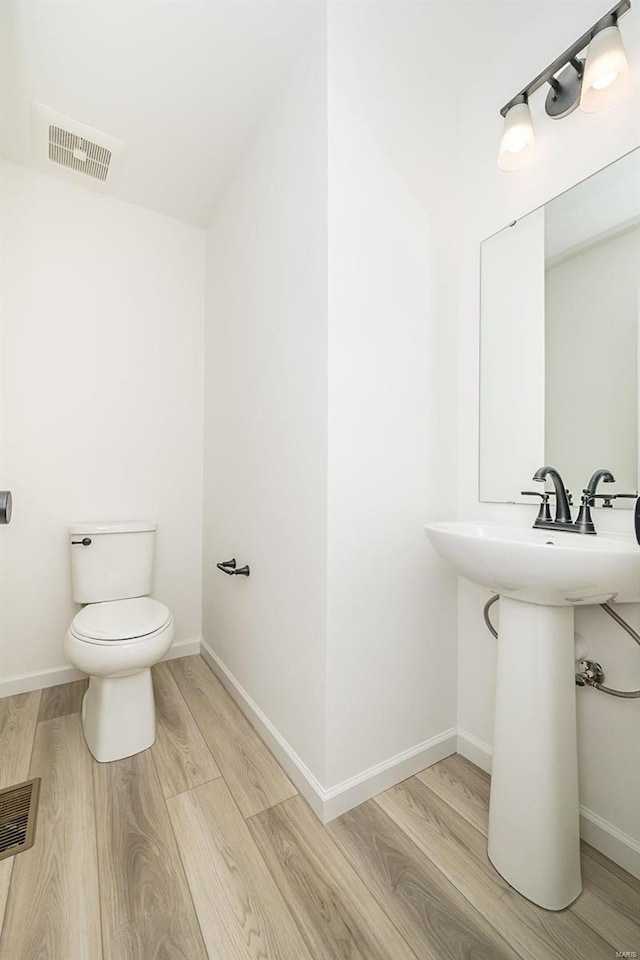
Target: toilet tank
(116, 564)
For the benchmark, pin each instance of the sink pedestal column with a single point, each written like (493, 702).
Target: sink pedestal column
(534, 833)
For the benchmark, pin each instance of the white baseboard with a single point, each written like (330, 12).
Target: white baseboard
(183, 648)
(330, 803)
(39, 679)
(620, 847)
(348, 794)
(291, 763)
(474, 750)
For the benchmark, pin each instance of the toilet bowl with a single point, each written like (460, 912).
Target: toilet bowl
(117, 636)
(116, 643)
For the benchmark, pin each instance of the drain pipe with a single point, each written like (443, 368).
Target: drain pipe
(591, 673)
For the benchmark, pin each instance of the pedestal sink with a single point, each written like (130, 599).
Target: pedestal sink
(541, 575)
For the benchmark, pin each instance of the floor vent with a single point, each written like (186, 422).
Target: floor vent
(18, 809)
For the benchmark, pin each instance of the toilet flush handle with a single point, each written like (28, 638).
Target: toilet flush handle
(84, 543)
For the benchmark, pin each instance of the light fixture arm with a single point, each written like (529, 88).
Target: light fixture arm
(570, 56)
(578, 66)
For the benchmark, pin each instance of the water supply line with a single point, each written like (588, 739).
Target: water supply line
(592, 673)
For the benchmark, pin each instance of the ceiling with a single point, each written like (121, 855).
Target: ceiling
(181, 82)
(184, 82)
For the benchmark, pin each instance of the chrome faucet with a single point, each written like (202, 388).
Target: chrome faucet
(563, 518)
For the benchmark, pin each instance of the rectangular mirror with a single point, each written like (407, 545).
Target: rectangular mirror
(559, 340)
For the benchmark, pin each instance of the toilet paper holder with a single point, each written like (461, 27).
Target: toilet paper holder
(229, 567)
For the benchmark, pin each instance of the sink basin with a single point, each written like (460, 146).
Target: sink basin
(541, 575)
(541, 566)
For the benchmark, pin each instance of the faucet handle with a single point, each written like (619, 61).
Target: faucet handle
(543, 513)
(607, 498)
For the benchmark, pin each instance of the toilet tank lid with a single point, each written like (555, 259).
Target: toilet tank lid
(111, 526)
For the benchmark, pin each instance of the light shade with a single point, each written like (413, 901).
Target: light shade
(606, 72)
(518, 143)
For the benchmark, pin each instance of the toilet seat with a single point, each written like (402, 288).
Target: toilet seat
(114, 621)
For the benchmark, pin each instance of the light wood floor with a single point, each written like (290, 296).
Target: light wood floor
(202, 848)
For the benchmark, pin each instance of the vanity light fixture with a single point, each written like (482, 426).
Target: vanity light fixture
(606, 72)
(518, 143)
(594, 85)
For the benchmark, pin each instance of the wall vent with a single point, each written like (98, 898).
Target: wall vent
(73, 147)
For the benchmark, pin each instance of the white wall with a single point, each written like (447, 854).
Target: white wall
(265, 414)
(391, 654)
(330, 409)
(102, 396)
(568, 151)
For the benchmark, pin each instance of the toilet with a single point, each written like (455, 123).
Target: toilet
(118, 635)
